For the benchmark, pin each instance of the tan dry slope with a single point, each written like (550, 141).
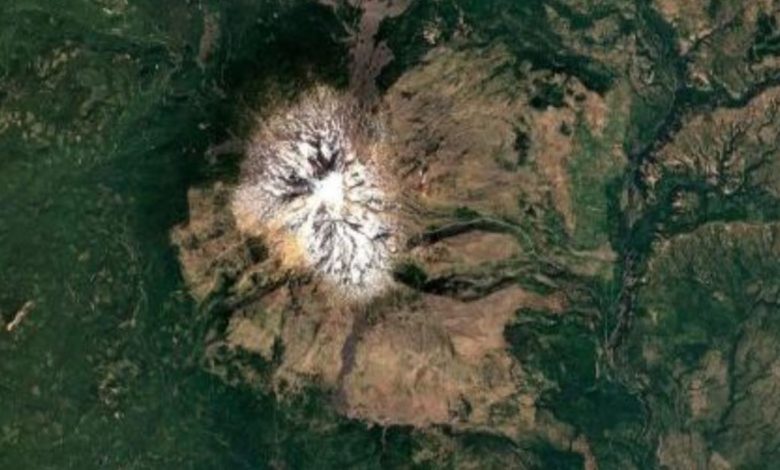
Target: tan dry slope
(406, 357)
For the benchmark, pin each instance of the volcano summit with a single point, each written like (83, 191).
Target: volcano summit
(311, 185)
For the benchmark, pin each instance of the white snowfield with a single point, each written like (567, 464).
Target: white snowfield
(302, 174)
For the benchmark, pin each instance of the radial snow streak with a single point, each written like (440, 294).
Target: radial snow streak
(310, 175)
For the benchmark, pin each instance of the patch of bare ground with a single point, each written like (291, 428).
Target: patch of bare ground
(597, 262)
(682, 450)
(696, 21)
(467, 250)
(731, 149)
(368, 56)
(209, 39)
(439, 361)
(604, 38)
(552, 150)
(717, 39)
(457, 121)
(209, 245)
(690, 17)
(452, 121)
